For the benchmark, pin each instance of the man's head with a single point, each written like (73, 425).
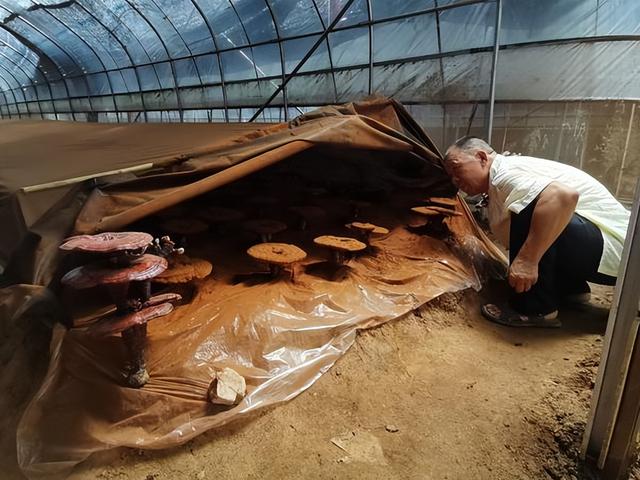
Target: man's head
(468, 161)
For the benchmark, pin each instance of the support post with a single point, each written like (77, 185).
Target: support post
(494, 69)
(609, 434)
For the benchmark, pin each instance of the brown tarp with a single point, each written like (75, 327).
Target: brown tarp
(280, 335)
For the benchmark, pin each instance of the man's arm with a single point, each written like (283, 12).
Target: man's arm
(552, 213)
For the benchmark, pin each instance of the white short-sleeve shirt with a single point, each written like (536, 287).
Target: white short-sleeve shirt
(515, 181)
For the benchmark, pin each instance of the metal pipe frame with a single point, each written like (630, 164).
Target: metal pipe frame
(279, 40)
(370, 22)
(370, 27)
(444, 117)
(414, 59)
(494, 69)
(605, 414)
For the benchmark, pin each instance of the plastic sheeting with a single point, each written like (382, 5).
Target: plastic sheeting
(280, 335)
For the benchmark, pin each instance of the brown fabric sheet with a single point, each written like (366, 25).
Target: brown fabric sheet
(280, 335)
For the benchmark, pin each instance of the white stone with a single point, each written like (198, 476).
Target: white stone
(227, 388)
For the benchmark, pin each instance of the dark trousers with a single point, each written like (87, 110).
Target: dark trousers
(564, 269)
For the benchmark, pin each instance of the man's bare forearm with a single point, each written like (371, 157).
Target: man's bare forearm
(552, 213)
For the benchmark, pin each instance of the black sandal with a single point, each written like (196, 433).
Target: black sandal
(511, 318)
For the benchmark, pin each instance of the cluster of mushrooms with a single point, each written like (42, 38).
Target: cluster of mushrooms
(433, 216)
(278, 257)
(126, 263)
(123, 266)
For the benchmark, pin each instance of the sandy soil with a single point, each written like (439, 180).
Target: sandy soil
(439, 393)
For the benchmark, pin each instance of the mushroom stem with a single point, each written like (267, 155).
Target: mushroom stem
(338, 257)
(118, 292)
(134, 340)
(146, 290)
(265, 237)
(274, 269)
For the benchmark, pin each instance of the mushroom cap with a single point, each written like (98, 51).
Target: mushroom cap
(183, 268)
(100, 273)
(162, 298)
(265, 226)
(449, 212)
(442, 201)
(107, 242)
(427, 211)
(220, 215)
(277, 253)
(344, 244)
(307, 211)
(380, 230)
(116, 322)
(361, 226)
(185, 226)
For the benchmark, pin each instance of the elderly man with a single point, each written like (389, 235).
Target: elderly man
(562, 227)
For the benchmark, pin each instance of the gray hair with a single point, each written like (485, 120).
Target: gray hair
(468, 145)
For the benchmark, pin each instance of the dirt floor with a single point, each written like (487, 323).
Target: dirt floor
(439, 393)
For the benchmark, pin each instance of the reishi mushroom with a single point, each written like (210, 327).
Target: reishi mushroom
(108, 242)
(442, 201)
(184, 269)
(366, 230)
(340, 247)
(278, 256)
(116, 273)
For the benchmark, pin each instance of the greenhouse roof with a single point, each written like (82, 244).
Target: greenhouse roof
(148, 55)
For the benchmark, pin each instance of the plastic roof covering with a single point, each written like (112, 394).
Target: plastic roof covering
(143, 55)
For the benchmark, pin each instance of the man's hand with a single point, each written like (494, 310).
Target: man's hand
(523, 274)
